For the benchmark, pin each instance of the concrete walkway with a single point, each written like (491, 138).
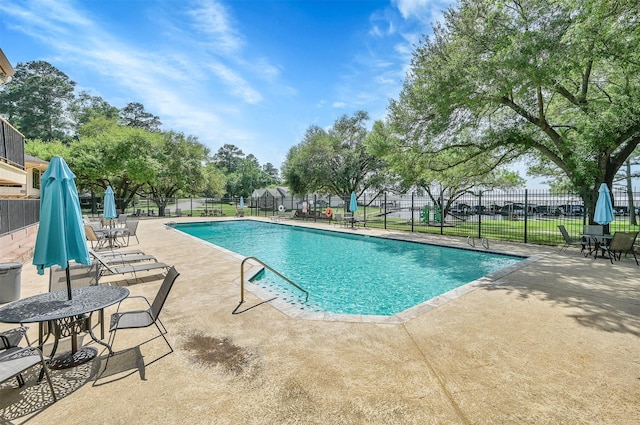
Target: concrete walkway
(556, 342)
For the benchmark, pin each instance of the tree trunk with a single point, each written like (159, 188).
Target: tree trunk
(632, 207)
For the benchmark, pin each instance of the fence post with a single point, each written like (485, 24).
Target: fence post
(385, 211)
(412, 194)
(442, 215)
(480, 214)
(364, 202)
(526, 213)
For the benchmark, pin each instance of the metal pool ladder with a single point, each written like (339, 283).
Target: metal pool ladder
(286, 279)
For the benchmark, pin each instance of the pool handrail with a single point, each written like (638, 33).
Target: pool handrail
(286, 279)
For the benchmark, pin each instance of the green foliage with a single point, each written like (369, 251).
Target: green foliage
(47, 150)
(134, 115)
(335, 160)
(35, 101)
(121, 148)
(243, 174)
(228, 158)
(445, 172)
(247, 177)
(113, 155)
(177, 168)
(214, 181)
(86, 108)
(272, 171)
(560, 80)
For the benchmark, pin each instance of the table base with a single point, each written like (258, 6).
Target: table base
(71, 359)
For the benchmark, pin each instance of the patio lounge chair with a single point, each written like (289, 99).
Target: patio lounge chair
(144, 318)
(569, 241)
(621, 243)
(127, 257)
(107, 268)
(15, 359)
(121, 253)
(80, 274)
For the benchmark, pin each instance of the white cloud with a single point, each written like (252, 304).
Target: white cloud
(339, 105)
(426, 11)
(211, 19)
(265, 70)
(236, 84)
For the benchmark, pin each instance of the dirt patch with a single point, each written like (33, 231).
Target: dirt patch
(220, 352)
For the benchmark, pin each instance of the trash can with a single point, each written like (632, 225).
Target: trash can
(10, 282)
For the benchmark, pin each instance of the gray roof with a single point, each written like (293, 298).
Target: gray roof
(29, 158)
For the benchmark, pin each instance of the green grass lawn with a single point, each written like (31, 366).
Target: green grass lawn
(541, 231)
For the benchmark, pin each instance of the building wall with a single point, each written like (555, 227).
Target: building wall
(18, 246)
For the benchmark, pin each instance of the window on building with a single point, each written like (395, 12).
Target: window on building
(36, 179)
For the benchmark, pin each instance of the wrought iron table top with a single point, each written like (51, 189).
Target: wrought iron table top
(55, 305)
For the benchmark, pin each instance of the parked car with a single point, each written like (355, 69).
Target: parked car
(460, 209)
(485, 209)
(515, 208)
(572, 210)
(493, 209)
(621, 210)
(548, 211)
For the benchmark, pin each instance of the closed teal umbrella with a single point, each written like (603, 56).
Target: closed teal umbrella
(61, 236)
(353, 203)
(109, 204)
(241, 203)
(604, 213)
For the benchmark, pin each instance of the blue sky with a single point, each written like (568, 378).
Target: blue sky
(252, 73)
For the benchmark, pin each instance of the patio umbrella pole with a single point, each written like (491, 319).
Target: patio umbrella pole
(68, 282)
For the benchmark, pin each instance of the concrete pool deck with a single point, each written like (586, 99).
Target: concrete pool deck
(556, 341)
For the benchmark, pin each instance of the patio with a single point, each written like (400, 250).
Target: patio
(555, 342)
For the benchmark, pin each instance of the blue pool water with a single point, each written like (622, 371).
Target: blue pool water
(346, 273)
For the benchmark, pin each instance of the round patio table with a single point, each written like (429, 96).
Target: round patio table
(68, 317)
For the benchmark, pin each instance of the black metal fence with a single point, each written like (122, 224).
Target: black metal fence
(16, 214)
(529, 216)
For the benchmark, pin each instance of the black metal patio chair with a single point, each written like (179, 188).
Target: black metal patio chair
(136, 319)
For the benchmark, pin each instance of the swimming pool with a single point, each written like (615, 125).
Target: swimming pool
(346, 273)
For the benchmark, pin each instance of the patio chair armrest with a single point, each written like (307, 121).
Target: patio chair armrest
(18, 352)
(130, 297)
(12, 337)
